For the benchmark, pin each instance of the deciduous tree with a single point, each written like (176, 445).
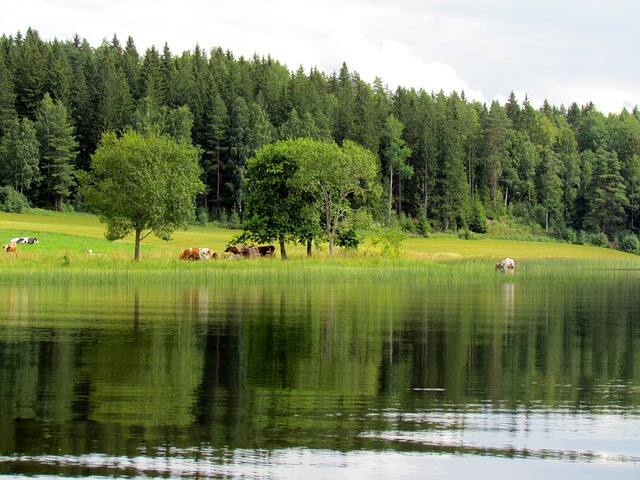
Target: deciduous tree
(143, 183)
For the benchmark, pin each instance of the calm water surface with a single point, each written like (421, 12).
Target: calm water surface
(322, 381)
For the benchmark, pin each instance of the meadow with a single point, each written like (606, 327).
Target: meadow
(61, 257)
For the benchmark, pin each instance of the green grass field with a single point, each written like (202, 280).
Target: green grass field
(61, 257)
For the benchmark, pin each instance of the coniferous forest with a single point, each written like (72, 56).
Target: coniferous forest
(446, 162)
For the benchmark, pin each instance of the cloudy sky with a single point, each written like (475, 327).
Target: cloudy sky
(564, 51)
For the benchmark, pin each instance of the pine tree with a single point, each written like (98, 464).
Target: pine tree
(58, 150)
(20, 156)
(7, 96)
(607, 198)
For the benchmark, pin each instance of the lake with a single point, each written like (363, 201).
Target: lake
(327, 380)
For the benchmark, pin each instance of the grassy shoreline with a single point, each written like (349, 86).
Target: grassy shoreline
(61, 259)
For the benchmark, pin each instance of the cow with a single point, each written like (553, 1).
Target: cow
(10, 248)
(24, 240)
(267, 251)
(195, 254)
(205, 253)
(252, 251)
(506, 266)
(234, 250)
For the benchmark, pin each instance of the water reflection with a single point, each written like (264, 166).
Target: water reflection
(124, 379)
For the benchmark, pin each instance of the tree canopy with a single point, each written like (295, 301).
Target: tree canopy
(143, 183)
(303, 189)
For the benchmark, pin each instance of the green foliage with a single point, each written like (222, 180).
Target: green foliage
(20, 156)
(143, 182)
(466, 234)
(58, 149)
(276, 207)
(348, 238)
(599, 239)
(389, 240)
(478, 218)
(12, 201)
(629, 243)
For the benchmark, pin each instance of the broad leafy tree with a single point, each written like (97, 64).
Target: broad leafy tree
(339, 177)
(143, 184)
(278, 208)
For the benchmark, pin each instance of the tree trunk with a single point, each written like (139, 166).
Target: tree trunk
(390, 197)
(136, 256)
(426, 188)
(309, 243)
(283, 250)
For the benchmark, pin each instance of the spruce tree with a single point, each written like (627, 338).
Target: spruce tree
(58, 149)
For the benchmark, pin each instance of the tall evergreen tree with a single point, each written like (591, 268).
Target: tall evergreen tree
(607, 199)
(394, 154)
(20, 156)
(7, 96)
(116, 107)
(58, 150)
(59, 73)
(30, 74)
(497, 135)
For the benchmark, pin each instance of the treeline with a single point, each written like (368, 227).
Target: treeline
(445, 161)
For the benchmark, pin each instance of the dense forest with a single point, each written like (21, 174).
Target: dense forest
(445, 161)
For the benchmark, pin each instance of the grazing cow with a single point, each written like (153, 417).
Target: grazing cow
(29, 240)
(205, 253)
(249, 252)
(506, 266)
(11, 248)
(267, 251)
(195, 254)
(237, 251)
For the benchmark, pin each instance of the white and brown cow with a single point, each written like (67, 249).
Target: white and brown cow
(10, 248)
(195, 254)
(508, 265)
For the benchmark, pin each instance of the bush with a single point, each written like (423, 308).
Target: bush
(466, 234)
(348, 238)
(423, 227)
(12, 201)
(405, 223)
(233, 220)
(566, 234)
(598, 240)
(478, 220)
(390, 239)
(582, 238)
(202, 216)
(629, 243)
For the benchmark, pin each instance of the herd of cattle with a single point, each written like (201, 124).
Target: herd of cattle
(507, 265)
(231, 251)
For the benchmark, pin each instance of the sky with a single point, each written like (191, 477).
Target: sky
(563, 51)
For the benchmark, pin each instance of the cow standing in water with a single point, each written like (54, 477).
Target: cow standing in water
(507, 265)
